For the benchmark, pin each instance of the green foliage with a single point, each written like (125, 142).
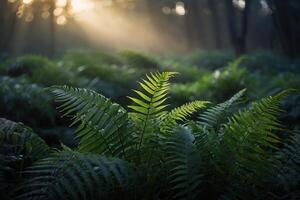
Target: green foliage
(188, 73)
(99, 119)
(233, 149)
(217, 86)
(214, 116)
(72, 175)
(27, 64)
(180, 114)
(138, 60)
(151, 103)
(184, 164)
(22, 101)
(80, 58)
(101, 72)
(239, 150)
(287, 178)
(266, 62)
(150, 151)
(21, 140)
(210, 60)
(20, 146)
(103, 129)
(39, 70)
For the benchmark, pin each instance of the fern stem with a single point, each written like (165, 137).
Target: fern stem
(144, 128)
(145, 122)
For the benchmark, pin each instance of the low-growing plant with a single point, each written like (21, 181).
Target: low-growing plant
(217, 86)
(26, 102)
(151, 153)
(138, 60)
(79, 58)
(39, 69)
(210, 60)
(19, 148)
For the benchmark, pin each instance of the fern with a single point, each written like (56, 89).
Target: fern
(17, 139)
(249, 135)
(180, 114)
(207, 131)
(19, 147)
(184, 164)
(237, 150)
(210, 158)
(150, 104)
(100, 120)
(288, 173)
(214, 116)
(71, 175)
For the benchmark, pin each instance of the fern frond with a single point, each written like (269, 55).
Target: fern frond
(151, 102)
(207, 129)
(288, 173)
(250, 134)
(18, 139)
(184, 165)
(19, 148)
(213, 116)
(102, 123)
(180, 114)
(72, 175)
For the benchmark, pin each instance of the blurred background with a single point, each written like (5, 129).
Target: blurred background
(218, 46)
(50, 27)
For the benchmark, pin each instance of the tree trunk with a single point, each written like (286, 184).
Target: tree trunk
(8, 25)
(3, 22)
(193, 24)
(215, 23)
(238, 38)
(284, 27)
(2, 25)
(231, 20)
(241, 46)
(52, 21)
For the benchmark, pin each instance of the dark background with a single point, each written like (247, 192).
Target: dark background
(159, 26)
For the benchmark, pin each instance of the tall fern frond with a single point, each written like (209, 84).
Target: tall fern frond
(151, 102)
(207, 131)
(184, 165)
(72, 175)
(249, 135)
(102, 122)
(213, 116)
(180, 114)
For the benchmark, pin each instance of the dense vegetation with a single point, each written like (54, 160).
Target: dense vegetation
(211, 139)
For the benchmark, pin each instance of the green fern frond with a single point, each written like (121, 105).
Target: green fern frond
(180, 114)
(213, 116)
(288, 173)
(102, 123)
(184, 165)
(19, 148)
(249, 134)
(207, 129)
(19, 139)
(72, 175)
(151, 102)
